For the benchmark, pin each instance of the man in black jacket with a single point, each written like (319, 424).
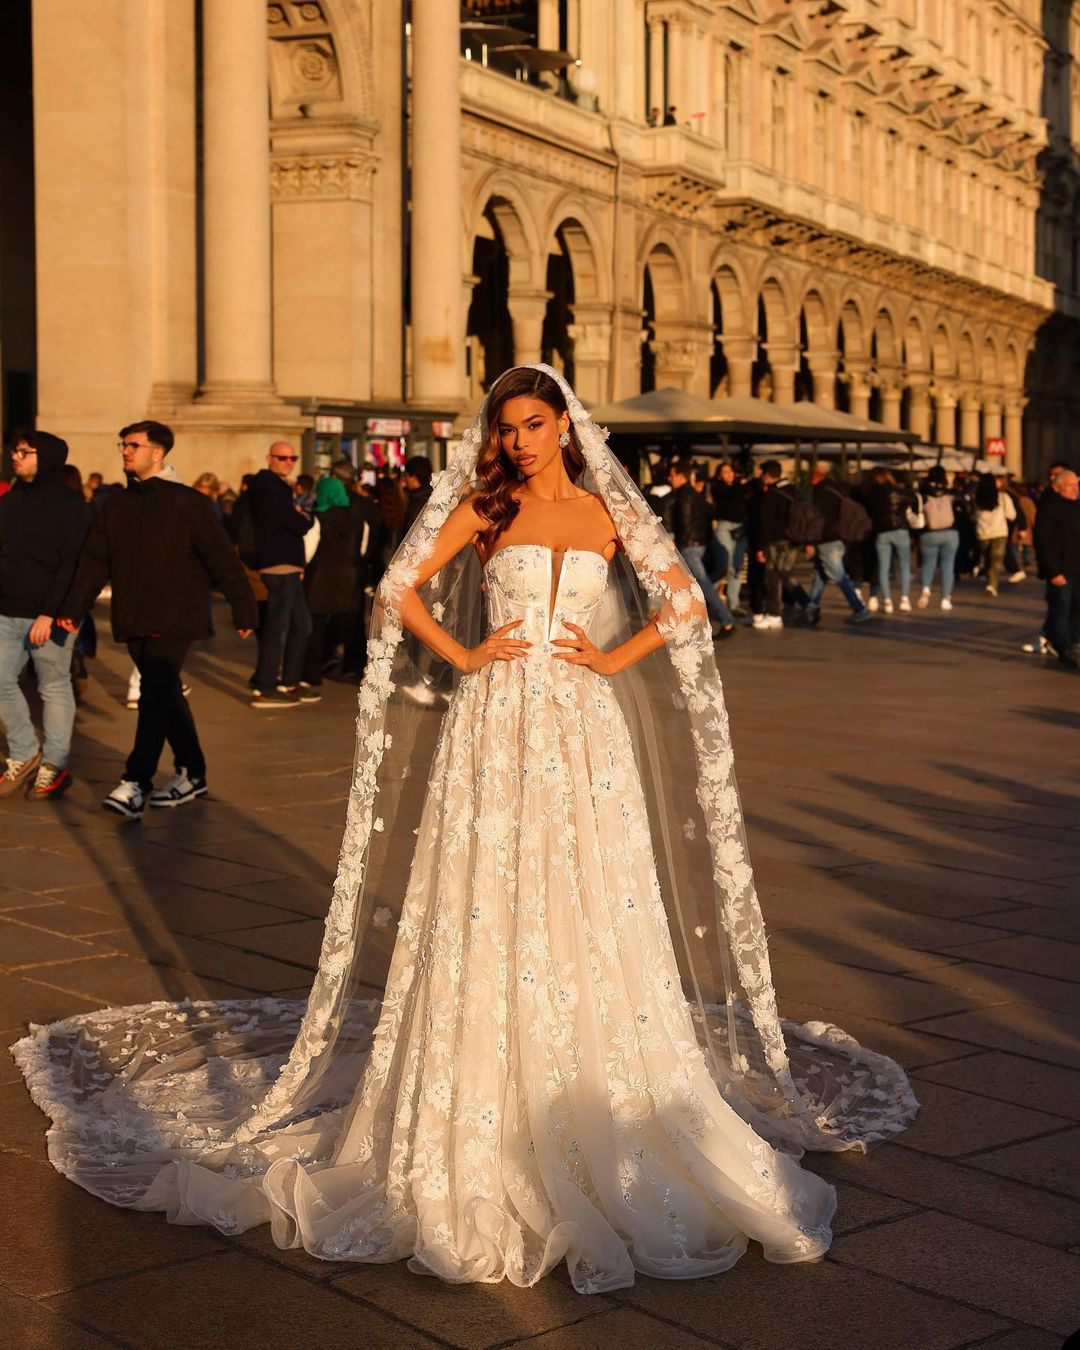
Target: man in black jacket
(280, 526)
(1057, 548)
(687, 514)
(829, 552)
(160, 544)
(774, 549)
(416, 480)
(42, 527)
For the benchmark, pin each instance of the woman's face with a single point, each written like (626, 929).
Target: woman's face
(727, 474)
(529, 431)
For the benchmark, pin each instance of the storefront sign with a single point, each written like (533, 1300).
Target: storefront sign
(327, 424)
(995, 447)
(442, 430)
(388, 426)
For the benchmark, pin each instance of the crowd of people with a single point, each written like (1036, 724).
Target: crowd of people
(746, 533)
(297, 561)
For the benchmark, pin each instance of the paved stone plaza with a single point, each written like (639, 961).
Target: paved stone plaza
(912, 810)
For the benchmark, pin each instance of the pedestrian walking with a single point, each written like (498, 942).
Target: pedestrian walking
(845, 522)
(688, 515)
(161, 546)
(994, 515)
(730, 530)
(776, 551)
(939, 543)
(1057, 549)
(279, 526)
(416, 480)
(42, 527)
(892, 506)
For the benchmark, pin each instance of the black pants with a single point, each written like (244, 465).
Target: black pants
(328, 632)
(164, 713)
(780, 585)
(283, 635)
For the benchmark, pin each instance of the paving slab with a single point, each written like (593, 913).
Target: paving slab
(986, 985)
(24, 947)
(1006, 1275)
(29, 1326)
(66, 1237)
(471, 1316)
(1011, 1078)
(231, 1299)
(1022, 1029)
(1052, 1162)
(116, 980)
(1062, 925)
(951, 1123)
(815, 1306)
(215, 958)
(623, 1327)
(957, 1188)
(1035, 955)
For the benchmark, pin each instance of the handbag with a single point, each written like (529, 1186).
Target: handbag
(916, 516)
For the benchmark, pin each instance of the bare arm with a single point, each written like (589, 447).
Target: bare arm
(461, 529)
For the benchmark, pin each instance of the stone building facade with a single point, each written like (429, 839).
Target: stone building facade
(249, 214)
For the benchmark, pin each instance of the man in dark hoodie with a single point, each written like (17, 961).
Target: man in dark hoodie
(160, 544)
(280, 526)
(42, 527)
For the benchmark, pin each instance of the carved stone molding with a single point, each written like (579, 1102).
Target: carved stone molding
(330, 177)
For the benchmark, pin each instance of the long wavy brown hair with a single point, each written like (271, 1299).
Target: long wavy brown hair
(498, 475)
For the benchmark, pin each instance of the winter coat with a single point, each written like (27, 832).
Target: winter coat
(350, 536)
(729, 501)
(688, 516)
(995, 524)
(773, 519)
(827, 496)
(279, 526)
(42, 528)
(418, 499)
(888, 504)
(161, 545)
(1057, 536)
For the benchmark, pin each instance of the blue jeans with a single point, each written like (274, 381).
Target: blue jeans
(695, 560)
(283, 636)
(939, 546)
(1063, 615)
(732, 540)
(886, 542)
(52, 666)
(829, 566)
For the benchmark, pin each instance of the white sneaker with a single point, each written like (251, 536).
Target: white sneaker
(1018, 576)
(888, 606)
(1040, 647)
(768, 621)
(905, 605)
(992, 590)
(759, 621)
(178, 790)
(872, 604)
(924, 598)
(126, 800)
(946, 603)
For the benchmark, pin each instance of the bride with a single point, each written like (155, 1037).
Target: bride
(543, 1026)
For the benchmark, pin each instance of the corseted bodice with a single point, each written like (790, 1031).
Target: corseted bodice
(526, 581)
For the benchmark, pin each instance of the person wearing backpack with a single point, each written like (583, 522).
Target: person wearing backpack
(889, 504)
(845, 522)
(940, 541)
(785, 522)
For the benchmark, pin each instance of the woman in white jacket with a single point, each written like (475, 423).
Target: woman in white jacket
(994, 513)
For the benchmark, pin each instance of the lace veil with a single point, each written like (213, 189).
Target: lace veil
(251, 1082)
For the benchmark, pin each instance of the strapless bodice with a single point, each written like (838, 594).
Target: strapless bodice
(526, 581)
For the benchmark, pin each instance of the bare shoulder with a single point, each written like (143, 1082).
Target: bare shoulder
(604, 521)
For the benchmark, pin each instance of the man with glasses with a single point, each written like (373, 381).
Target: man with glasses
(280, 526)
(161, 545)
(42, 527)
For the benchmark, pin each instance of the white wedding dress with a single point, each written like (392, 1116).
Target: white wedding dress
(535, 1090)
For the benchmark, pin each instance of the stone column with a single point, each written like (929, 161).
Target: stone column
(919, 408)
(677, 82)
(236, 201)
(823, 373)
(591, 335)
(527, 310)
(891, 395)
(438, 330)
(859, 393)
(1014, 432)
(740, 352)
(784, 361)
(657, 73)
(970, 409)
(944, 415)
(992, 418)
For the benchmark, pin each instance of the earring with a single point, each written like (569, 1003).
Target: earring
(564, 440)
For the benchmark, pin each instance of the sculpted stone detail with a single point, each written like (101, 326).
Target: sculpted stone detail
(338, 176)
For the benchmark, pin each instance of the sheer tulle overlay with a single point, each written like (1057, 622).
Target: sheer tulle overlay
(532, 1086)
(543, 1026)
